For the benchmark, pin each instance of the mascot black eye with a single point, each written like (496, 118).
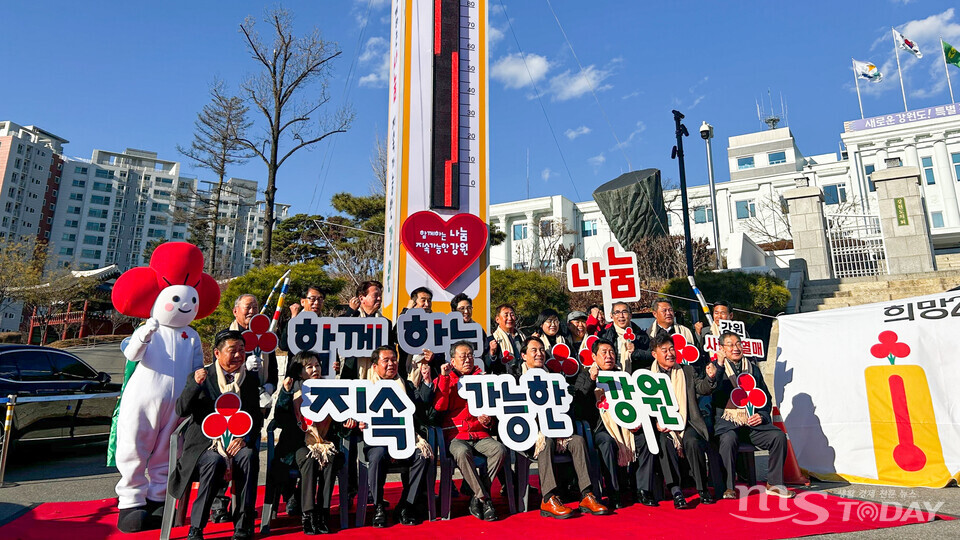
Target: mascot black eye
(176, 298)
(194, 299)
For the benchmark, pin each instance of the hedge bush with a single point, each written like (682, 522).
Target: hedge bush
(755, 292)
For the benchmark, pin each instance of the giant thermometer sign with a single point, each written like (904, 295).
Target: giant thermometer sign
(437, 194)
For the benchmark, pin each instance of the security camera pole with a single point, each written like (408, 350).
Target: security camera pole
(678, 154)
(706, 133)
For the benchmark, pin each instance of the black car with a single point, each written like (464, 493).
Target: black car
(32, 371)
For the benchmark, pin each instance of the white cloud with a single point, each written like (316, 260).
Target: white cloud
(360, 9)
(574, 133)
(634, 135)
(494, 35)
(546, 174)
(597, 160)
(515, 71)
(375, 57)
(568, 85)
(922, 78)
(633, 94)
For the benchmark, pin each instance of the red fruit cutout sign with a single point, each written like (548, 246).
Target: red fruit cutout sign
(586, 355)
(227, 421)
(686, 354)
(259, 336)
(628, 334)
(889, 347)
(747, 395)
(561, 361)
(444, 249)
(506, 357)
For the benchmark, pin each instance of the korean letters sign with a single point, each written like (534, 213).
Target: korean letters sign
(751, 347)
(383, 406)
(539, 402)
(614, 274)
(332, 336)
(418, 330)
(637, 398)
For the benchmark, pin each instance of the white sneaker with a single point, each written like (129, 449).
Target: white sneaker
(780, 491)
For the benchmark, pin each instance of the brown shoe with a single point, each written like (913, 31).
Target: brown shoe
(590, 505)
(555, 508)
(729, 494)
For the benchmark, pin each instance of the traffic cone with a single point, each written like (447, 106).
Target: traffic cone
(791, 469)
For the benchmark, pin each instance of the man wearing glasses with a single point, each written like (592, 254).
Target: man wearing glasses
(734, 425)
(491, 354)
(631, 344)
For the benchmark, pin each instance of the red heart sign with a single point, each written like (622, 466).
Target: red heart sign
(445, 249)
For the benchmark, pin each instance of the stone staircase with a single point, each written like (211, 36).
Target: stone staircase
(822, 294)
(948, 262)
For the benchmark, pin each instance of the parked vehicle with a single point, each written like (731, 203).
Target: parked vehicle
(33, 371)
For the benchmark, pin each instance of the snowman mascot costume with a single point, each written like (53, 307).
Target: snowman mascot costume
(169, 294)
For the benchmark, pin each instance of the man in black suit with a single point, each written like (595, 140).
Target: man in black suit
(208, 457)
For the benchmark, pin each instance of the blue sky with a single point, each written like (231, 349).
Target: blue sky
(106, 74)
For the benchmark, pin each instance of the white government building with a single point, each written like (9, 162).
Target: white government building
(750, 209)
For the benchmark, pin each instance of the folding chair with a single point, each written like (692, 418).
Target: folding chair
(523, 465)
(363, 484)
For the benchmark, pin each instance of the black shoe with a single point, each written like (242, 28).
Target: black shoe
(243, 534)
(196, 533)
(293, 506)
(306, 519)
(706, 497)
(320, 522)
(380, 515)
(679, 502)
(407, 515)
(221, 510)
(617, 501)
(646, 498)
(476, 507)
(489, 514)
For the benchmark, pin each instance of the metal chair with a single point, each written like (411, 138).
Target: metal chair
(363, 483)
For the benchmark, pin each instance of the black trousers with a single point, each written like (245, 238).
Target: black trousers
(647, 461)
(378, 463)
(607, 451)
(316, 483)
(211, 468)
(696, 449)
(772, 440)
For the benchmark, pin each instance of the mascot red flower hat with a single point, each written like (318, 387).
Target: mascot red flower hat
(172, 263)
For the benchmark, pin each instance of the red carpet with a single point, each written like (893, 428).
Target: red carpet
(811, 513)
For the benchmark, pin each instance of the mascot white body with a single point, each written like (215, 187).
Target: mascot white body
(167, 351)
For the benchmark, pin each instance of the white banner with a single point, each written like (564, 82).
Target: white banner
(868, 393)
(332, 336)
(418, 330)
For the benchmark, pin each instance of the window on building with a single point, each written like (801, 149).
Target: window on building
(73, 210)
(79, 183)
(746, 209)
(66, 251)
(745, 163)
(90, 253)
(99, 199)
(955, 158)
(928, 171)
(98, 214)
(546, 228)
(69, 237)
(80, 170)
(520, 266)
(96, 226)
(159, 207)
(71, 224)
(775, 158)
(91, 240)
(102, 186)
(156, 233)
(834, 194)
(178, 235)
(868, 172)
(669, 220)
(702, 214)
(588, 228)
(102, 173)
(76, 196)
(160, 180)
(519, 231)
(158, 220)
(937, 219)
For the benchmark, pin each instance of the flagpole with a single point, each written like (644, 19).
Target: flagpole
(943, 54)
(896, 52)
(856, 81)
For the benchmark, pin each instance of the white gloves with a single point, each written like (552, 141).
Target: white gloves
(145, 333)
(253, 363)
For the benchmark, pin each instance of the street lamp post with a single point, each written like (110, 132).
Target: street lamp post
(706, 133)
(677, 153)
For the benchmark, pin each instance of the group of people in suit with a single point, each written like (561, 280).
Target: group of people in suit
(706, 445)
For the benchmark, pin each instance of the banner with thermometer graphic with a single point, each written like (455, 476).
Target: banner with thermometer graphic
(868, 394)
